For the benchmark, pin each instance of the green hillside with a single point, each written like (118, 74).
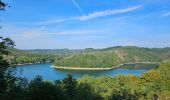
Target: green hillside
(109, 57)
(17, 56)
(89, 57)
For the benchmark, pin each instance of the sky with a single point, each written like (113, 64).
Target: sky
(77, 24)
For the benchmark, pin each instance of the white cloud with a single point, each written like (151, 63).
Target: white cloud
(108, 12)
(39, 37)
(93, 15)
(166, 14)
(77, 32)
(56, 20)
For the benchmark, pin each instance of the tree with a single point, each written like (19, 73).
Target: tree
(86, 92)
(69, 87)
(125, 88)
(17, 90)
(7, 78)
(44, 90)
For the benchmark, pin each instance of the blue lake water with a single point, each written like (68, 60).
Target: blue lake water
(49, 73)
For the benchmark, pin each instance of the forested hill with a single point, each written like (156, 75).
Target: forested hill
(88, 57)
(109, 57)
(17, 56)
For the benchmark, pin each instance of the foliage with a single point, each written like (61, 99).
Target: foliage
(23, 57)
(66, 89)
(165, 75)
(89, 57)
(6, 76)
(109, 57)
(43, 90)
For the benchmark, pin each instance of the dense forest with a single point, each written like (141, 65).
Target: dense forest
(18, 56)
(88, 57)
(24, 57)
(113, 56)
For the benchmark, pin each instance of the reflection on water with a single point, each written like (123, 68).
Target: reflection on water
(49, 73)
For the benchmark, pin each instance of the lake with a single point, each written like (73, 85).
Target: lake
(50, 73)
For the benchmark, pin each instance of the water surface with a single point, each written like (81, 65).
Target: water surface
(50, 73)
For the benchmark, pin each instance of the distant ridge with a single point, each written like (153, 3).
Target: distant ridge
(70, 51)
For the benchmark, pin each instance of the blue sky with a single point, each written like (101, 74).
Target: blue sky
(78, 24)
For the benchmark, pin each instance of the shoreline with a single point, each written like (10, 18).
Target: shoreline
(107, 68)
(25, 64)
(30, 63)
(78, 68)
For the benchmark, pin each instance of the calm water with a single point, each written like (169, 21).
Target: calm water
(49, 73)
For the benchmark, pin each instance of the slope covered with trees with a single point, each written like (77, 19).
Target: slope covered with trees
(109, 57)
(24, 57)
(89, 57)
